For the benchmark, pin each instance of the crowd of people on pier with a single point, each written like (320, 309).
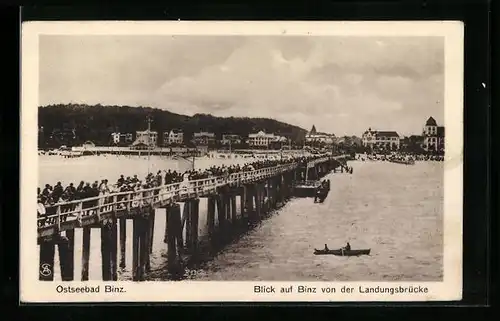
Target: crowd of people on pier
(401, 156)
(51, 195)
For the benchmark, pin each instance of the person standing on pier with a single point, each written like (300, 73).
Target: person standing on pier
(71, 190)
(57, 192)
(47, 191)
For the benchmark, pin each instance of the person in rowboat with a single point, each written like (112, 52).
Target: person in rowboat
(326, 248)
(347, 247)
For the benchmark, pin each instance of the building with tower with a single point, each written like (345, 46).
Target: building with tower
(433, 136)
(313, 137)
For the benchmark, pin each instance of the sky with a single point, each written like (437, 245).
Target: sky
(342, 85)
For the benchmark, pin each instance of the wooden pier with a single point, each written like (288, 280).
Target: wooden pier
(260, 191)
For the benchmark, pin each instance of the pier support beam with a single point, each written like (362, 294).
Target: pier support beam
(192, 224)
(152, 219)
(211, 218)
(242, 201)
(268, 194)
(66, 255)
(149, 221)
(258, 202)
(144, 244)
(186, 222)
(249, 199)
(195, 220)
(123, 240)
(174, 235)
(228, 207)
(137, 249)
(114, 249)
(274, 191)
(85, 253)
(234, 217)
(221, 212)
(106, 251)
(46, 268)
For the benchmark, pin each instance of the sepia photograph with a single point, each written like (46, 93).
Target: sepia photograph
(191, 156)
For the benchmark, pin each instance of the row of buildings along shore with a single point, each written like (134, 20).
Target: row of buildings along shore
(175, 137)
(430, 140)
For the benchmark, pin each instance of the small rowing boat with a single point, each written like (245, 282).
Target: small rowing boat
(342, 252)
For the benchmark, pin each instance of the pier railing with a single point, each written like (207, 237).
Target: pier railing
(62, 216)
(100, 206)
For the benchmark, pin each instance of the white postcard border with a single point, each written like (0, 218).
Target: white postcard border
(33, 290)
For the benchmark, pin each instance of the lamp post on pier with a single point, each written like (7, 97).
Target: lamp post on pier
(149, 119)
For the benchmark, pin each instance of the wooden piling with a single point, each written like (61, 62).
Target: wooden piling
(277, 189)
(195, 214)
(165, 237)
(227, 203)
(249, 198)
(123, 241)
(271, 193)
(46, 268)
(258, 202)
(242, 201)
(152, 226)
(85, 253)
(173, 234)
(251, 195)
(66, 256)
(234, 214)
(135, 250)
(221, 211)
(106, 252)
(114, 249)
(211, 216)
(149, 230)
(144, 247)
(186, 214)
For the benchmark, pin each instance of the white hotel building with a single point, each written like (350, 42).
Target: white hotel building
(173, 136)
(388, 140)
(146, 137)
(263, 139)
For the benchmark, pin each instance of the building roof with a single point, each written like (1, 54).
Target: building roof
(313, 130)
(387, 133)
(440, 131)
(430, 122)
(319, 135)
(382, 133)
(200, 134)
(261, 134)
(147, 132)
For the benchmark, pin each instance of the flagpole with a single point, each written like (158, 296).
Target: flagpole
(194, 157)
(149, 142)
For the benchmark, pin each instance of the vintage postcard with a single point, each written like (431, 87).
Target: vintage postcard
(241, 161)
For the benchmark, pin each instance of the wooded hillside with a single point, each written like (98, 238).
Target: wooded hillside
(74, 124)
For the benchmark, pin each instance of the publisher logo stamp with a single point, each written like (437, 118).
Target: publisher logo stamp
(45, 269)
